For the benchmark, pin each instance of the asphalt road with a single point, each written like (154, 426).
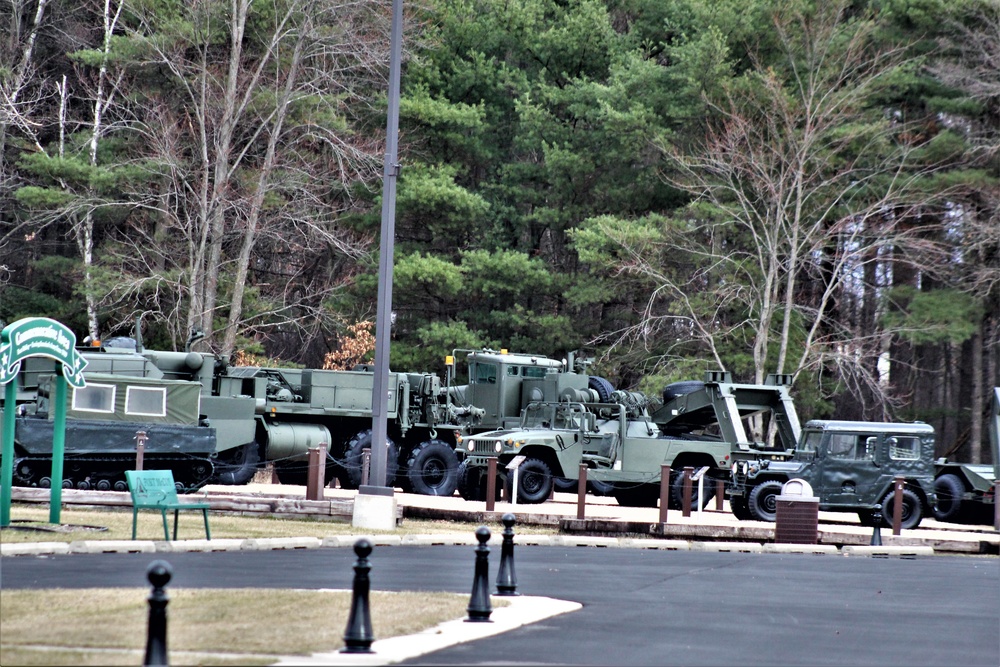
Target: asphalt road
(640, 607)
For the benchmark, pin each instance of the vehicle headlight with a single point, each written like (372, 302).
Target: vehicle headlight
(471, 446)
(498, 446)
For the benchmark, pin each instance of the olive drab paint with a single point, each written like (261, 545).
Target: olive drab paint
(37, 337)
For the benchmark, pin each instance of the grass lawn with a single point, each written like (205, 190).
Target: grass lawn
(204, 626)
(29, 523)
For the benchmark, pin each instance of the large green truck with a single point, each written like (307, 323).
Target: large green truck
(626, 438)
(276, 415)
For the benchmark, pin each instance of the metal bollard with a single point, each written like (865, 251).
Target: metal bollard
(686, 495)
(479, 603)
(491, 484)
(158, 573)
(877, 530)
(897, 505)
(506, 579)
(581, 493)
(358, 636)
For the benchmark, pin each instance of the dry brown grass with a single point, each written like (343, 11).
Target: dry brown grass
(205, 626)
(116, 524)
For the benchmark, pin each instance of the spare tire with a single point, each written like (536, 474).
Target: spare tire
(602, 387)
(675, 389)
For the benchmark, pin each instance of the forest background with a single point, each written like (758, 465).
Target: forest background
(676, 186)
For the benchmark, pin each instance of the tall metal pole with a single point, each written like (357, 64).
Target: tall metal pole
(383, 323)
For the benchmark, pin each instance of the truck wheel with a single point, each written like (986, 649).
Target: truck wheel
(763, 502)
(564, 484)
(432, 469)
(468, 483)
(534, 482)
(601, 386)
(912, 509)
(350, 467)
(599, 488)
(675, 389)
(949, 490)
(740, 508)
(677, 491)
(637, 495)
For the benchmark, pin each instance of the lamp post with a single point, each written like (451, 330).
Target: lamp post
(383, 324)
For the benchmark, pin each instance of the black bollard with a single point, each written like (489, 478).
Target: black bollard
(506, 579)
(479, 604)
(358, 637)
(158, 573)
(877, 530)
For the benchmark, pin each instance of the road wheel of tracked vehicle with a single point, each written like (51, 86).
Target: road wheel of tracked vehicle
(534, 482)
(949, 490)
(350, 468)
(468, 483)
(677, 491)
(601, 386)
(763, 501)
(912, 509)
(675, 389)
(637, 495)
(432, 469)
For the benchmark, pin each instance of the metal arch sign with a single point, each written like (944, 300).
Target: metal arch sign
(40, 336)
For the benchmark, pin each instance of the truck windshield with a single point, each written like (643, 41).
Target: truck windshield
(810, 443)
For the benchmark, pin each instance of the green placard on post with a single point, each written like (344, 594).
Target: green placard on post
(36, 337)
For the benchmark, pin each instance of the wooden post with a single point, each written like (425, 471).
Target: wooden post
(897, 505)
(491, 484)
(686, 496)
(664, 491)
(581, 493)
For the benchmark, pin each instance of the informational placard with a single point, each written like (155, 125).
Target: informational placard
(37, 337)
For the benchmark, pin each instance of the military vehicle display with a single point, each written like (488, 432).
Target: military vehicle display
(851, 467)
(104, 420)
(623, 439)
(276, 414)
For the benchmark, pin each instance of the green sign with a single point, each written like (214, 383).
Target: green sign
(40, 337)
(36, 337)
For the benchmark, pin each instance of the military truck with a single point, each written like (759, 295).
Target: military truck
(625, 439)
(291, 410)
(851, 467)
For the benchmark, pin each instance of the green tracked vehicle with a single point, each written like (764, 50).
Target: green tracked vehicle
(624, 439)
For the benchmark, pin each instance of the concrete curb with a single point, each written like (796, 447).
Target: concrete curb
(348, 541)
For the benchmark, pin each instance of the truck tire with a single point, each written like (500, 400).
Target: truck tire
(468, 484)
(350, 468)
(564, 484)
(949, 490)
(677, 491)
(675, 389)
(432, 469)
(762, 501)
(534, 481)
(912, 509)
(740, 508)
(599, 488)
(637, 495)
(601, 386)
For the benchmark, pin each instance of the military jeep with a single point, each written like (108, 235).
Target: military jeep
(851, 467)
